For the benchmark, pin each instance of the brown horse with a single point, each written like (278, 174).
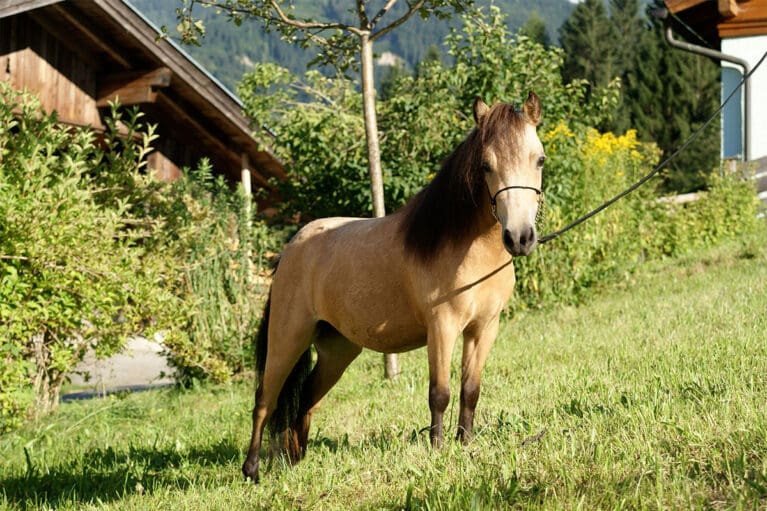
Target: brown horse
(437, 268)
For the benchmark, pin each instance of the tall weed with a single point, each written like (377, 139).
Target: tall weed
(94, 249)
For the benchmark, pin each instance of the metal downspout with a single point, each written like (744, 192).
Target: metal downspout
(708, 52)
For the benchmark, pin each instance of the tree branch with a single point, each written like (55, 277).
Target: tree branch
(13, 258)
(386, 8)
(412, 9)
(310, 25)
(281, 17)
(364, 22)
(316, 37)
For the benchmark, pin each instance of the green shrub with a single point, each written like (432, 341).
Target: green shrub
(93, 249)
(320, 133)
(220, 255)
(584, 169)
(73, 273)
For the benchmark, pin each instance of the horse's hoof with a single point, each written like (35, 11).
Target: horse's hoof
(250, 470)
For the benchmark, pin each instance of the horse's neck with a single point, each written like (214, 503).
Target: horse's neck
(488, 245)
(479, 255)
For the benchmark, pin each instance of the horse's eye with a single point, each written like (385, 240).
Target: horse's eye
(486, 167)
(541, 161)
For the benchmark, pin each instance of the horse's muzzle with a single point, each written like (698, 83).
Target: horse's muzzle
(520, 243)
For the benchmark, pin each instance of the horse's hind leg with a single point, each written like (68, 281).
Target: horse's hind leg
(295, 338)
(250, 467)
(334, 354)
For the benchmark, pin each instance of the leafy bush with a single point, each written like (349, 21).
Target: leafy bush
(583, 169)
(220, 253)
(73, 274)
(586, 168)
(93, 249)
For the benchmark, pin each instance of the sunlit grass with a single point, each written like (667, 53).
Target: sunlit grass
(651, 396)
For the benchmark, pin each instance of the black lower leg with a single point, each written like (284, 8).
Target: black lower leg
(439, 396)
(469, 398)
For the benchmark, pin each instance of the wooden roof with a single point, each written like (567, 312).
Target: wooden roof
(119, 40)
(717, 19)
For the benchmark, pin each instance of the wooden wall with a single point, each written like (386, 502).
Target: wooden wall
(65, 79)
(32, 58)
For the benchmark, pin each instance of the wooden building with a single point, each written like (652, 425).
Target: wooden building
(737, 29)
(78, 55)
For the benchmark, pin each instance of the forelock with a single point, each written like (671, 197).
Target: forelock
(503, 122)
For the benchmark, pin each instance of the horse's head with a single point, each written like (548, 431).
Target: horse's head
(512, 163)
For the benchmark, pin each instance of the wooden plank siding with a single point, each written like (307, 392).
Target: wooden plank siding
(32, 58)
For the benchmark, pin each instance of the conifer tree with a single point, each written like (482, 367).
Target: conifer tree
(535, 29)
(628, 29)
(670, 94)
(587, 37)
(666, 93)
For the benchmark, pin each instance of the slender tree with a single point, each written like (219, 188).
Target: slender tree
(341, 44)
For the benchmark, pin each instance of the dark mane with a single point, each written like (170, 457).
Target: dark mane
(447, 210)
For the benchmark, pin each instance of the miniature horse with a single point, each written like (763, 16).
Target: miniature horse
(437, 268)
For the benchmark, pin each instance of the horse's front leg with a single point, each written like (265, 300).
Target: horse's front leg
(440, 342)
(477, 341)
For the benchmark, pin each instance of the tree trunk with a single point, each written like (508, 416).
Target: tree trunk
(391, 366)
(42, 384)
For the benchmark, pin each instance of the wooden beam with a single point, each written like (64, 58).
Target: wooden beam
(165, 169)
(9, 8)
(211, 139)
(675, 6)
(728, 8)
(97, 41)
(246, 174)
(132, 87)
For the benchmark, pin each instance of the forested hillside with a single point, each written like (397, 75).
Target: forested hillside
(229, 51)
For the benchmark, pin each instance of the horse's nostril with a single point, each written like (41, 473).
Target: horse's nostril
(530, 237)
(507, 241)
(523, 239)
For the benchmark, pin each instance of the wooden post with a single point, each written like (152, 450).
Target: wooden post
(247, 187)
(245, 176)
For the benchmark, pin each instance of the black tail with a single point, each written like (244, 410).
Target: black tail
(289, 401)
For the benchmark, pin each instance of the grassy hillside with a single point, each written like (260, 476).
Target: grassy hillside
(229, 51)
(651, 396)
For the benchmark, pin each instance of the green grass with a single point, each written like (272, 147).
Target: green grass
(653, 395)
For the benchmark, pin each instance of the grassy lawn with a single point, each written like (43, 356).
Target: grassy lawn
(653, 395)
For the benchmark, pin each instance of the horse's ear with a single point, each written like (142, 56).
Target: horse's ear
(480, 109)
(532, 108)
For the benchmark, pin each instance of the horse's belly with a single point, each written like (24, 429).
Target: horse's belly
(383, 323)
(385, 336)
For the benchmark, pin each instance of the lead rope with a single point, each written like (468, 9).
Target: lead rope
(647, 177)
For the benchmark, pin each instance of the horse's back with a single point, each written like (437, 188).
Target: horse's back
(353, 273)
